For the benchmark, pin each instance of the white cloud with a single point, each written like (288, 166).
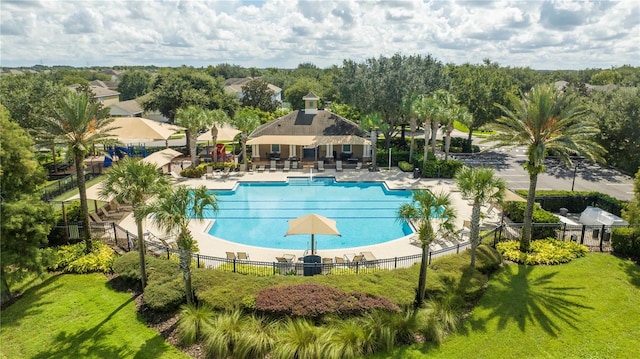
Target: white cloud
(284, 33)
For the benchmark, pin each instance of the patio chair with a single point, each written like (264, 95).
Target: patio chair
(177, 177)
(359, 166)
(358, 259)
(272, 166)
(368, 256)
(340, 260)
(225, 172)
(327, 265)
(103, 211)
(284, 265)
(121, 207)
(338, 166)
(320, 166)
(294, 165)
(260, 168)
(209, 174)
(287, 166)
(231, 256)
(243, 256)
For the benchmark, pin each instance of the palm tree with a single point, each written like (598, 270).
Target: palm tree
(134, 181)
(374, 122)
(193, 119)
(544, 120)
(172, 212)
(246, 121)
(456, 113)
(434, 215)
(481, 185)
(218, 117)
(80, 122)
(444, 101)
(424, 109)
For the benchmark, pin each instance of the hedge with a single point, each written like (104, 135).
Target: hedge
(515, 211)
(576, 201)
(626, 241)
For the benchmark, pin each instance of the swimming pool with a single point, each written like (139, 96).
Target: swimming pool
(256, 214)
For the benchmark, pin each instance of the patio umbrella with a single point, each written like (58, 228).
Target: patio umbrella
(225, 133)
(312, 224)
(139, 128)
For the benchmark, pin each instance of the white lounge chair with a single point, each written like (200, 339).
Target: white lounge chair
(338, 166)
(294, 165)
(260, 168)
(359, 165)
(177, 177)
(320, 166)
(272, 167)
(287, 166)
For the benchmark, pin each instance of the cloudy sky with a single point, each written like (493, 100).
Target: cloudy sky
(284, 33)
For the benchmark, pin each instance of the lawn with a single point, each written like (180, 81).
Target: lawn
(78, 316)
(589, 308)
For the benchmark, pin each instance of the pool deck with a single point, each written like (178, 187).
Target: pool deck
(394, 179)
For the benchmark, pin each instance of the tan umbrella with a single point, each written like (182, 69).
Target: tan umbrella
(142, 129)
(162, 158)
(225, 133)
(312, 224)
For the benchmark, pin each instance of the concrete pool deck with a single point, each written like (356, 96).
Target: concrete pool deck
(394, 179)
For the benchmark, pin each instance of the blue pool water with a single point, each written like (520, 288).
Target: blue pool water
(257, 213)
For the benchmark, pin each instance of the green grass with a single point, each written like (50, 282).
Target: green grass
(65, 196)
(78, 316)
(589, 308)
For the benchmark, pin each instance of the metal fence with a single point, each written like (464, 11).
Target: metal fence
(64, 185)
(596, 238)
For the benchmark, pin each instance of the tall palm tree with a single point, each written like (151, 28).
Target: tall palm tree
(246, 121)
(481, 185)
(456, 113)
(217, 117)
(134, 181)
(374, 122)
(434, 215)
(444, 101)
(80, 122)
(424, 108)
(193, 119)
(544, 120)
(407, 110)
(172, 212)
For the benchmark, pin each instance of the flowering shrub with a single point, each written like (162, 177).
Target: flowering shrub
(313, 300)
(543, 251)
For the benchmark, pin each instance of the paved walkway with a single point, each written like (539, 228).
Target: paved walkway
(394, 179)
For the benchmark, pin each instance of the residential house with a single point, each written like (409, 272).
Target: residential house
(104, 95)
(130, 108)
(309, 135)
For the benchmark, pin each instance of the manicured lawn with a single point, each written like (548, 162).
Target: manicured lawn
(589, 308)
(78, 316)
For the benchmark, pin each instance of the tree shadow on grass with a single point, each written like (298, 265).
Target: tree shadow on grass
(515, 297)
(633, 271)
(29, 303)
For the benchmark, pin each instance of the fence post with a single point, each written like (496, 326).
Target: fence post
(357, 267)
(234, 265)
(564, 228)
(128, 242)
(601, 237)
(429, 262)
(457, 248)
(168, 253)
(274, 267)
(197, 260)
(395, 262)
(584, 228)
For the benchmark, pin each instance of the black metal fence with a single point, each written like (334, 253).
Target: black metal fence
(64, 185)
(596, 238)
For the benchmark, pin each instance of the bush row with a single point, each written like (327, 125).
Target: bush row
(515, 211)
(575, 201)
(626, 242)
(72, 258)
(543, 251)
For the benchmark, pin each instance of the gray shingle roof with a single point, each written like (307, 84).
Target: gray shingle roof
(298, 123)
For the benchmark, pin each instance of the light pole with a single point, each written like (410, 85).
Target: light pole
(575, 169)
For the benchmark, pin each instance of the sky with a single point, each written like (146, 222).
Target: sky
(543, 35)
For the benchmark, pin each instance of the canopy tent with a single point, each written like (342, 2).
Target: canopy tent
(312, 224)
(308, 140)
(225, 133)
(138, 128)
(162, 158)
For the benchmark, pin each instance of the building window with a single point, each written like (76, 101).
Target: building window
(275, 148)
(310, 104)
(346, 148)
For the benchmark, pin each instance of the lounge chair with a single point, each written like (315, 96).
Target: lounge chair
(294, 165)
(120, 207)
(340, 260)
(327, 264)
(177, 177)
(231, 256)
(368, 256)
(209, 174)
(225, 172)
(289, 257)
(358, 259)
(103, 211)
(260, 168)
(338, 166)
(285, 265)
(243, 256)
(272, 166)
(359, 166)
(287, 166)
(320, 166)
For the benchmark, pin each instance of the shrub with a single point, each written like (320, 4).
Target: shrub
(626, 241)
(406, 166)
(299, 338)
(193, 322)
(488, 259)
(543, 251)
(242, 268)
(441, 168)
(313, 300)
(515, 211)
(195, 172)
(72, 259)
(164, 296)
(127, 266)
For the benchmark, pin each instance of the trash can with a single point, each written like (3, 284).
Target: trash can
(563, 211)
(416, 173)
(312, 265)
